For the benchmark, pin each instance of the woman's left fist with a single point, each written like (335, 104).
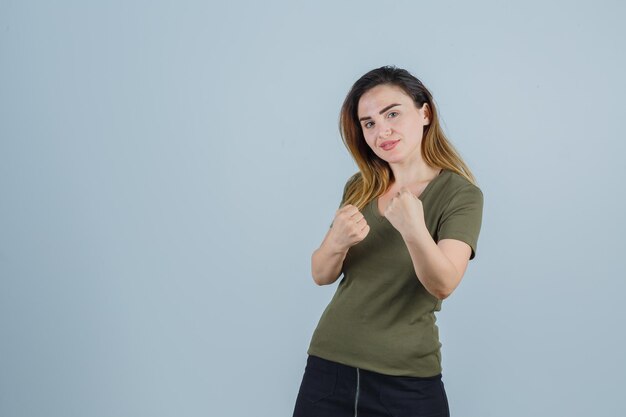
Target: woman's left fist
(405, 211)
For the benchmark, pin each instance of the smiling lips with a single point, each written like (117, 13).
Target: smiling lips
(389, 145)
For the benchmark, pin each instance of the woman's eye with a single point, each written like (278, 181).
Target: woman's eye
(367, 125)
(393, 112)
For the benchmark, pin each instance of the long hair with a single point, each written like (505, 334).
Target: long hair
(376, 174)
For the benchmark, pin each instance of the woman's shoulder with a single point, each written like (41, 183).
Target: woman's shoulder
(457, 186)
(456, 181)
(354, 177)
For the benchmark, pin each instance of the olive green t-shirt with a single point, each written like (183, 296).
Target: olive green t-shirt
(381, 318)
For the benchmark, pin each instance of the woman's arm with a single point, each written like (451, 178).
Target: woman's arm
(326, 261)
(439, 267)
(349, 228)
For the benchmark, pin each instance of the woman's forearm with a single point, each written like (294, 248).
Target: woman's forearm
(432, 267)
(326, 262)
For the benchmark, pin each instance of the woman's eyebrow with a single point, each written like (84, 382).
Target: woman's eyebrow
(380, 112)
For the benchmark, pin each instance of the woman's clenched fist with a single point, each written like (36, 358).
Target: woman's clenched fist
(349, 227)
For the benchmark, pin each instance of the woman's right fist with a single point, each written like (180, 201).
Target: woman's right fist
(349, 227)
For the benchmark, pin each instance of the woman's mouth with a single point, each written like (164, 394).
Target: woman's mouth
(389, 145)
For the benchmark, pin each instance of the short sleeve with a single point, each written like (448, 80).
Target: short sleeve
(462, 218)
(345, 189)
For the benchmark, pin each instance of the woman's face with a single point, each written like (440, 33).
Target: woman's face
(391, 123)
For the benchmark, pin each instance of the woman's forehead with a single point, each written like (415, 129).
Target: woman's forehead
(376, 98)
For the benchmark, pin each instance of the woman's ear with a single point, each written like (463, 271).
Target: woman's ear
(426, 110)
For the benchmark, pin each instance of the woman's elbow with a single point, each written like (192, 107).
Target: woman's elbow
(321, 281)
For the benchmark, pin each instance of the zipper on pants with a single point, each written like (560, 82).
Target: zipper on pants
(356, 397)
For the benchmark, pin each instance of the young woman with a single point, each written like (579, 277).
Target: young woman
(407, 226)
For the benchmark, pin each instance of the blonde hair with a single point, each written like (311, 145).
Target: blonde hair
(375, 175)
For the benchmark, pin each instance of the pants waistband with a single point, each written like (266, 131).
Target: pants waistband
(332, 365)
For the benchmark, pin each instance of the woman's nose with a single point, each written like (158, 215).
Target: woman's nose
(384, 131)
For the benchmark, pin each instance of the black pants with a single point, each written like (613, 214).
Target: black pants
(331, 389)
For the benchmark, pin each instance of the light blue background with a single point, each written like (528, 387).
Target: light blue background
(167, 169)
